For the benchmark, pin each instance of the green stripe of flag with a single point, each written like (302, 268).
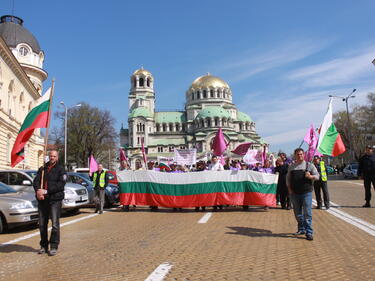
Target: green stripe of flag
(33, 114)
(197, 188)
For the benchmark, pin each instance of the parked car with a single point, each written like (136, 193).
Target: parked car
(350, 171)
(330, 170)
(112, 177)
(16, 208)
(21, 180)
(111, 191)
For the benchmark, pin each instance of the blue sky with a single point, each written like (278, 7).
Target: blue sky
(281, 58)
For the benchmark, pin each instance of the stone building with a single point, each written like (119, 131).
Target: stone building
(208, 107)
(21, 78)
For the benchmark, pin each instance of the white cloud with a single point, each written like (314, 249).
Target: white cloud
(338, 71)
(251, 63)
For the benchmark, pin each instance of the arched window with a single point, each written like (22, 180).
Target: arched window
(148, 82)
(164, 127)
(212, 93)
(198, 95)
(218, 93)
(208, 122)
(177, 127)
(141, 82)
(202, 123)
(204, 94)
(192, 95)
(143, 127)
(216, 122)
(170, 127)
(158, 127)
(241, 126)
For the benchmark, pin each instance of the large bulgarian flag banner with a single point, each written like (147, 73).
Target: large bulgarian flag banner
(36, 118)
(194, 189)
(330, 142)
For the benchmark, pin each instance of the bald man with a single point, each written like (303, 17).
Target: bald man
(49, 186)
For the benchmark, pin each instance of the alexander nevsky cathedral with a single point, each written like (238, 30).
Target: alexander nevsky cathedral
(208, 107)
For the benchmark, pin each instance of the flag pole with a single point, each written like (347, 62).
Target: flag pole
(47, 129)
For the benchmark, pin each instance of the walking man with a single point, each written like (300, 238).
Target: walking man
(100, 181)
(300, 177)
(49, 186)
(366, 170)
(321, 184)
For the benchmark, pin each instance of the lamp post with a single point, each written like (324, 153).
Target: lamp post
(66, 131)
(345, 99)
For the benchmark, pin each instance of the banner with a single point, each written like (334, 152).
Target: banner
(195, 189)
(185, 156)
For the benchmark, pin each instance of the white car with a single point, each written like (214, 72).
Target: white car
(21, 180)
(16, 208)
(350, 171)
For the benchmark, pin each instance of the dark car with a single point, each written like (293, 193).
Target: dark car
(111, 191)
(350, 171)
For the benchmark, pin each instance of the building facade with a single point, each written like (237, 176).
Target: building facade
(21, 78)
(208, 107)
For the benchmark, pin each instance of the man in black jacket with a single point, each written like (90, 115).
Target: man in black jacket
(366, 170)
(49, 186)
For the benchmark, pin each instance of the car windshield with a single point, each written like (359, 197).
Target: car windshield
(32, 174)
(84, 175)
(355, 166)
(6, 189)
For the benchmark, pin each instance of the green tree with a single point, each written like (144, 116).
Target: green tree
(90, 131)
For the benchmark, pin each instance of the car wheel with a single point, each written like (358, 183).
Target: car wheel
(2, 223)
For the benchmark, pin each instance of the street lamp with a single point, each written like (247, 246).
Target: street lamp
(66, 131)
(345, 99)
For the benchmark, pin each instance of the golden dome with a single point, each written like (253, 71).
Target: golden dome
(142, 71)
(207, 81)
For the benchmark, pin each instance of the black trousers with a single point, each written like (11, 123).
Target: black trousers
(49, 209)
(367, 181)
(318, 187)
(284, 196)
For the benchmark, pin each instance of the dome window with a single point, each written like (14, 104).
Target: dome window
(141, 82)
(204, 94)
(212, 93)
(148, 82)
(198, 95)
(24, 51)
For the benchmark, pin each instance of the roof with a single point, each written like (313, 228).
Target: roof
(243, 117)
(142, 71)
(179, 141)
(213, 111)
(13, 33)
(140, 112)
(170, 117)
(207, 81)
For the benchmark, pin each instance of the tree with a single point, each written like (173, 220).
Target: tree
(362, 126)
(90, 131)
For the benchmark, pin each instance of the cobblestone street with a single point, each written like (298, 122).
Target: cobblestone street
(232, 245)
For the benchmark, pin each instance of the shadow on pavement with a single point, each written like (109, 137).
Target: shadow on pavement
(16, 248)
(258, 232)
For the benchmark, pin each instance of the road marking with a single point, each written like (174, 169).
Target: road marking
(361, 224)
(160, 272)
(357, 183)
(205, 218)
(49, 229)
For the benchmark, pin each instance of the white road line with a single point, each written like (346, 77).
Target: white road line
(205, 218)
(37, 232)
(357, 183)
(160, 272)
(361, 224)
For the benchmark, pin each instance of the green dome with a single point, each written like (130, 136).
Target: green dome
(243, 117)
(213, 111)
(140, 112)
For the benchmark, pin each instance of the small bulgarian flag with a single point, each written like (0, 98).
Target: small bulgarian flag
(37, 118)
(164, 166)
(330, 142)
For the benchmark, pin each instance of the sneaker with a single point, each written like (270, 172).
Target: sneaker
(309, 237)
(300, 232)
(367, 205)
(42, 251)
(52, 252)
(318, 207)
(100, 212)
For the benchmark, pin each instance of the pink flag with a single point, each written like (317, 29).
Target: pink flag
(264, 155)
(93, 165)
(312, 140)
(242, 148)
(123, 158)
(219, 145)
(144, 153)
(251, 157)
